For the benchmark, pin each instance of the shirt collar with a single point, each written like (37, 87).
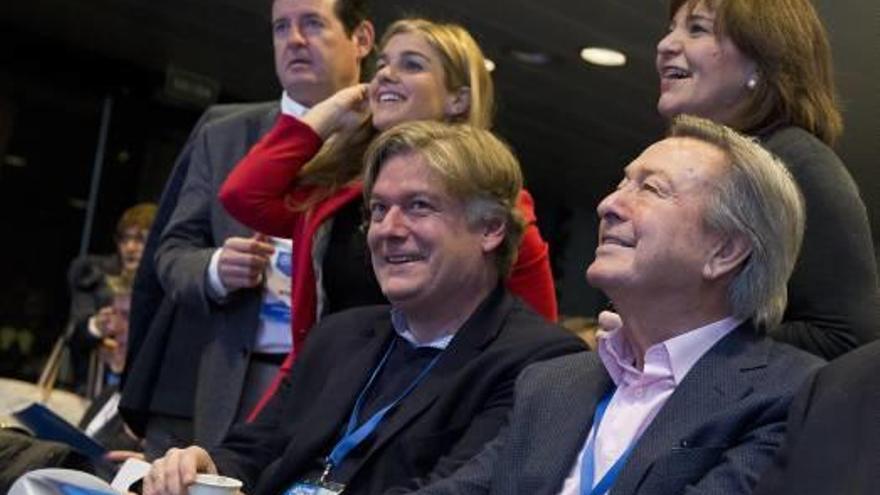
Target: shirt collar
(398, 321)
(675, 356)
(291, 107)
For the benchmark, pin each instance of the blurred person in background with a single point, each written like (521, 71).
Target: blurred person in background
(101, 420)
(92, 312)
(20, 452)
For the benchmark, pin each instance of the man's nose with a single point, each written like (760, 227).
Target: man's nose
(295, 36)
(394, 222)
(611, 205)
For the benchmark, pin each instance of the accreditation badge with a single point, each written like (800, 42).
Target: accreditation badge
(315, 487)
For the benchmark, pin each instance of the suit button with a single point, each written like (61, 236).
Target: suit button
(685, 444)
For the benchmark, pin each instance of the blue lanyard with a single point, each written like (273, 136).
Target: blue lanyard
(588, 468)
(355, 434)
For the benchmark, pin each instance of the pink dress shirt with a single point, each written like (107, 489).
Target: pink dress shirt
(640, 394)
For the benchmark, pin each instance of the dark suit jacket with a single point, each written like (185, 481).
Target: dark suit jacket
(188, 355)
(459, 406)
(833, 442)
(715, 435)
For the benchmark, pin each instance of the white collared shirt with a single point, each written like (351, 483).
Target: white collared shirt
(398, 321)
(291, 107)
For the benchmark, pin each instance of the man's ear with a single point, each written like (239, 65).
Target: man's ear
(726, 256)
(458, 103)
(364, 37)
(493, 232)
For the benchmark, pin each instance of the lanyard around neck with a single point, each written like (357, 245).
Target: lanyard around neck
(355, 434)
(588, 465)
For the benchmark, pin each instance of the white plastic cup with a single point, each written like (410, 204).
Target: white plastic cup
(214, 484)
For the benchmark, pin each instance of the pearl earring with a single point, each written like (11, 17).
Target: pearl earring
(752, 83)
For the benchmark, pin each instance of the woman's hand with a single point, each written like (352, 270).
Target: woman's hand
(343, 111)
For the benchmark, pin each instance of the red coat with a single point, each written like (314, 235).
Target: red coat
(260, 192)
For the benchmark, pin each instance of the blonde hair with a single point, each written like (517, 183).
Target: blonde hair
(787, 41)
(340, 159)
(473, 165)
(758, 199)
(463, 64)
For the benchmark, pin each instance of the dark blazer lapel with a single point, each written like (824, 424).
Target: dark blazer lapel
(719, 378)
(476, 333)
(338, 395)
(563, 420)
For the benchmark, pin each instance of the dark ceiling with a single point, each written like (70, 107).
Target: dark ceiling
(573, 124)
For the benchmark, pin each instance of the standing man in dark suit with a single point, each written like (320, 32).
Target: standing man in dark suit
(395, 397)
(833, 440)
(695, 248)
(203, 356)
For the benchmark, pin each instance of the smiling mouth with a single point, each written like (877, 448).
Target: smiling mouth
(401, 259)
(388, 97)
(608, 240)
(674, 73)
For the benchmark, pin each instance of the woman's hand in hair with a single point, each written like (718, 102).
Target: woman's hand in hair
(344, 111)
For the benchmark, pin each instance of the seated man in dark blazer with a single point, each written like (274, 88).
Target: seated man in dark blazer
(396, 397)
(833, 440)
(695, 248)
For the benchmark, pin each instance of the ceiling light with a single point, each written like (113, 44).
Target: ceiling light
(603, 56)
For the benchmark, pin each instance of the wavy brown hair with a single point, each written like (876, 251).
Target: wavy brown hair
(789, 44)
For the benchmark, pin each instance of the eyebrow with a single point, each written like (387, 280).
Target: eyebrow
(700, 17)
(312, 15)
(648, 171)
(408, 53)
(405, 195)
